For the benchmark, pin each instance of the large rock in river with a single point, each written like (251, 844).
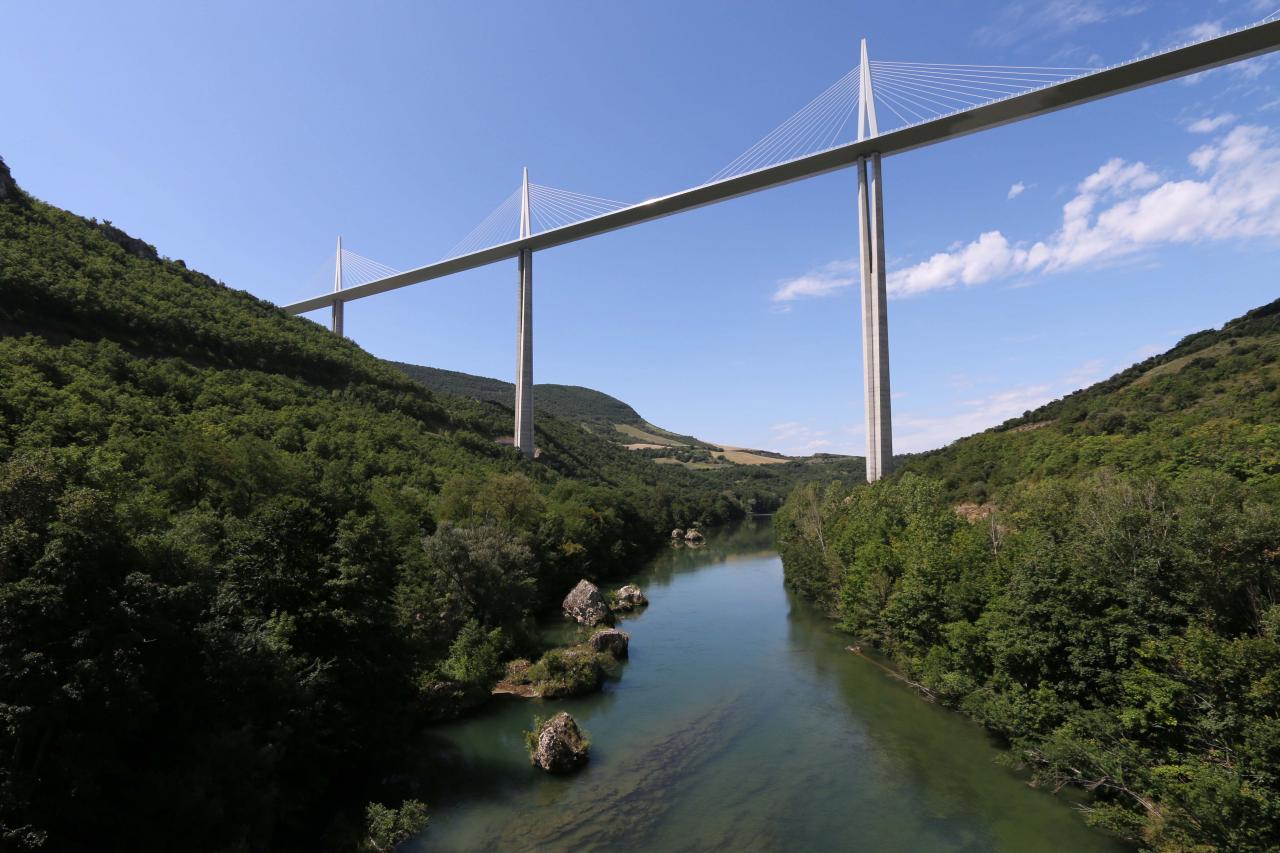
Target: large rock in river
(585, 604)
(630, 597)
(612, 641)
(693, 537)
(559, 746)
(678, 533)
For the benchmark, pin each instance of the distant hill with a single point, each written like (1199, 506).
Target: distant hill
(598, 412)
(1212, 401)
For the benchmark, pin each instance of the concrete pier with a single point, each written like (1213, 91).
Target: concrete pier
(875, 319)
(524, 334)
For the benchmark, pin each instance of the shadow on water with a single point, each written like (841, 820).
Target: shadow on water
(740, 723)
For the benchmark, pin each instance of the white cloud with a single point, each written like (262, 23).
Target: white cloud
(820, 282)
(1209, 125)
(914, 432)
(797, 439)
(1016, 190)
(1120, 210)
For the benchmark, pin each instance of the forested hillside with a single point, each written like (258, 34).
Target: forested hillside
(1098, 582)
(1210, 402)
(241, 559)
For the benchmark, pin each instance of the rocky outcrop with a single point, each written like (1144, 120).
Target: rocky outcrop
(611, 641)
(630, 597)
(132, 245)
(559, 746)
(8, 189)
(585, 604)
(678, 533)
(694, 537)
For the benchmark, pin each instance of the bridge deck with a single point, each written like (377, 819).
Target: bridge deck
(1202, 56)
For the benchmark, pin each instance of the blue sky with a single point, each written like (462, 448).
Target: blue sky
(244, 137)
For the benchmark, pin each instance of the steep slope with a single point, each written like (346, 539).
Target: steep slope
(1212, 401)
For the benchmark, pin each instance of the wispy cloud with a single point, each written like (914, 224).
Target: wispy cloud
(1120, 210)
(823, 281)
(1210, 124)
(1024, 21)
(1016, 190)
(1201, 31)
(914, 431)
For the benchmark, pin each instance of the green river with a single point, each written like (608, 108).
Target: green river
(740, 723)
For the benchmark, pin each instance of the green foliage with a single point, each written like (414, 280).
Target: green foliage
(233, 547)
(571, 671)
(388, 828)
(532, 734)
(1109, 608)
(1119, 632)
(475, 658)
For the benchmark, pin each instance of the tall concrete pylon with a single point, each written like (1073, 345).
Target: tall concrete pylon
(524, 334)
(337, 285)
(875, 314)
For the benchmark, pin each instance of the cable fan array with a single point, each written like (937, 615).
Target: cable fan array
(549, 208)
(555, 208)
(358, 270)
(922, 91)
(817, 126)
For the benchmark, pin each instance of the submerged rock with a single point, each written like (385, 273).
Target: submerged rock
(630, 597)
(559, 746)
(611, 641)
(585, 604)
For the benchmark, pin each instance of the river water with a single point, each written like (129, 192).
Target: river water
(740, 723)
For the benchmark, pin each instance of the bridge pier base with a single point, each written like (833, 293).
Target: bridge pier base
(875, 319)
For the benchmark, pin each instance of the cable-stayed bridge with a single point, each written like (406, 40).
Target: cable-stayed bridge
(877, 109)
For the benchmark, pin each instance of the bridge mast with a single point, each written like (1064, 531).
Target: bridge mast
(524, 333)
(337, 285)
(875, 316)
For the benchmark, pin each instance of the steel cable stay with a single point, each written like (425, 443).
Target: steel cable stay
(500, 226)
(802, 131)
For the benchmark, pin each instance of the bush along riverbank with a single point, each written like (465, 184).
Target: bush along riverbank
(1122, 634)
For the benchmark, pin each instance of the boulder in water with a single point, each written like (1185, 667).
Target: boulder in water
(693, 537)
(585, 604)
(629, 598)
(611, 641)
(678, 533)
(558, 746)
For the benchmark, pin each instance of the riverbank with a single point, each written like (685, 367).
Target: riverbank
(740, 722)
